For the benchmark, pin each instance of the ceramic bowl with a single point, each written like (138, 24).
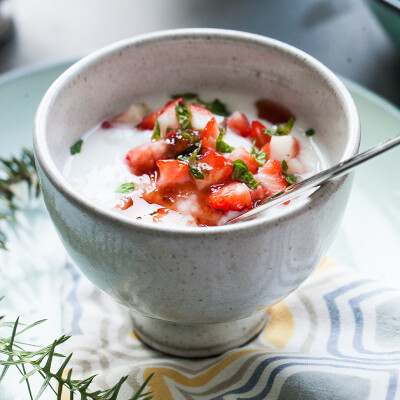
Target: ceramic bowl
(195, 291)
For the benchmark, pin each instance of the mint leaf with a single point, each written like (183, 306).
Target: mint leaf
(291, 179)
(222, 146)
(241, 173)
(215, 106)
(126, 188)
(156, 133)
(281, 130)
(193, 168)
(191, 136)
(76, 147)
(196, 172)
(310, 132)
(260, 156)
(183, 157)
(185, 96)
(184, 115)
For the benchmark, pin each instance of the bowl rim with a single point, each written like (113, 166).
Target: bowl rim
(62, 185)
(390, 5)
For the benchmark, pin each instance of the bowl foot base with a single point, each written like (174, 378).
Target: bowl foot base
(198, 340)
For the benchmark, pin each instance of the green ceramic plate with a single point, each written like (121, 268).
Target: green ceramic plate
(31, 272)
(388, 14)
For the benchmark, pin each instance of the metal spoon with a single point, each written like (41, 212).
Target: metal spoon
(318, 179)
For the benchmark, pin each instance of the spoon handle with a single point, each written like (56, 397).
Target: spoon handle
(321, 177)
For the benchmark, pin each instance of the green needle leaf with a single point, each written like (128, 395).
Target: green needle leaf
(20, 356)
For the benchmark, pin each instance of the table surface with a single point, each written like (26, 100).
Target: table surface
(343, 34)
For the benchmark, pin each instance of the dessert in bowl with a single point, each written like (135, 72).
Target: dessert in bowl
(186, 164)
(193, 290)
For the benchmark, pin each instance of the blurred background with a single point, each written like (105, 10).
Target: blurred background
(343, 34)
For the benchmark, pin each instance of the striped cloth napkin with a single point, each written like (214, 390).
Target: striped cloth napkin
(336, 337)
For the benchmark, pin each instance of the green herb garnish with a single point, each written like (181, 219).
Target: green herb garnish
(183, 157)
(196, 172)
(156, 132)
(126, 188)
(310, 132)
(281, 130)
(14, 172)
(184, 115)
(291, 179)
(185, 96)
(242, 174)
(215, 106)
(76, 148)
(193, 138)
(193, 168)
(192, 160)
(260, 156)
(222, 146)
(32, 360)
(274, 196)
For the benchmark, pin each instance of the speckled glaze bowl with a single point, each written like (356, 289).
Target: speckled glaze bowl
(195, 291)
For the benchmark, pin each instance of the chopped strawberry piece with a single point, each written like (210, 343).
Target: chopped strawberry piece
(242, 154)
(149, 121)
(257, 134)
(209, 135)
(167, 118)
(106, 124)
(284, 147)
(215, 168)
(179, 141)
(258, 194)
(233, 196)
(172, 173)
(142, 159)
(273, 112)
(125, 203)
(271, 177)
(133, 115)
(272, 167)
(267, 150)
(160, 213)
(239, 124)
(200, 117)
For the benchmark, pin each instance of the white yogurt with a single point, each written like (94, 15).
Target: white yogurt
(100, 168)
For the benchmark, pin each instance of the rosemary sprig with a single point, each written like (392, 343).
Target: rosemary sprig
(32, 360)
(14, 172)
